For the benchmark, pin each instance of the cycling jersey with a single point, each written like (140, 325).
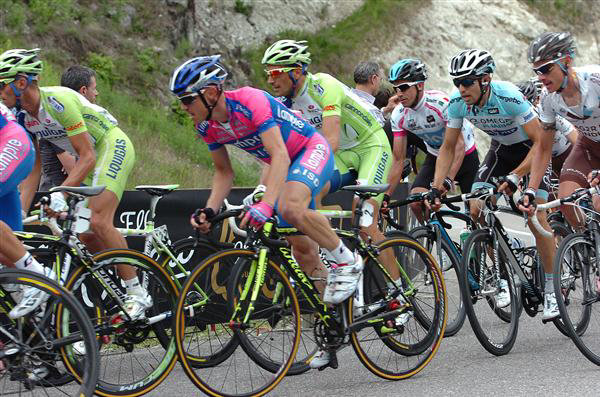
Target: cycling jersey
(64, 113)
(428, 121)
(368, 100)
(586, 115)
(563, 128)
(251, 112)
(6, 113)
(502, 116)
(322, 95)
(16, 161)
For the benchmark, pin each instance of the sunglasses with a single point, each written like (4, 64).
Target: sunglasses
(274, 73)
(188, 99)
(464, 82)
(405, 86)
(545, 68)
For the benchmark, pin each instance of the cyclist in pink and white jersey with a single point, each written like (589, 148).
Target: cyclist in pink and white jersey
(424, 113)
(300, 159)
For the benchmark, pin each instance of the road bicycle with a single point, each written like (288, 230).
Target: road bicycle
(395, 330)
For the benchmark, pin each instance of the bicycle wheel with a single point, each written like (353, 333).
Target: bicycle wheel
(209, 343)
(409, 318)
(481, 287)
(578, 293)
(307, 346)
(270, 326)
(38, 348)
(132, 359)
(449, 263)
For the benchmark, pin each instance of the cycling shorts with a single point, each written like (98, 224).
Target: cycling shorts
(17, 156)
(371, 159)
(115, 157)
(465, 176)
(501, 160)
(584, 158)
(312, 166)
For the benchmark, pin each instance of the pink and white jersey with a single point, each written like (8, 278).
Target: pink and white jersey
(4, 111)
(14, 147)
(251, 112)
(428, 121)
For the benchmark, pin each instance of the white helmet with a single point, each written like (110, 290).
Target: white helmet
(471, 63)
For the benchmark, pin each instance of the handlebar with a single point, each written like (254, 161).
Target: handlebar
(576, 195)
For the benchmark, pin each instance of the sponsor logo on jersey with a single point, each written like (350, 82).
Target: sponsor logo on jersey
(97, 120)
(118, 157)
(74, 127)
(358, 113)
(430, 119)
(316, 157)
(529, 116)
(493, 110)
(311, 108)
(329, 108)
(411, 124)
(249, 142)
(244, 110)
(319, 89)
(11, 152)
(32, 123)
(509, 99)
(455, 99)
(381, 167)
(50, 134)
(56, 104)
(286, 115)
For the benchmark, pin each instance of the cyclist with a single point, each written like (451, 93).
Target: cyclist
(566, 134)
(16, 161)
(299, 157)
(424, 113)
(574, 94)
(367, 80)
(105, 154)
(501, 111)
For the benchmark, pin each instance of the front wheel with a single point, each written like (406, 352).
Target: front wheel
(488, 289)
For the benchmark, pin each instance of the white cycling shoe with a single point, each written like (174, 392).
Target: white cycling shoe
(342, 281)
(135, 306)
(502, 296)
(32, 298)
(550, 307)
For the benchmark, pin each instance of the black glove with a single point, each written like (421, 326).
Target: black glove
(208, 212)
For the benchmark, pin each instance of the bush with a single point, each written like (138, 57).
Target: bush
(104, 67)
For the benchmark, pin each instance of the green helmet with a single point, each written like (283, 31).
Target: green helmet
(20, 61)
(287, 52)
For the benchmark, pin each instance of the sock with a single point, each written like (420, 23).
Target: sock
(28, 262)
(548, 283)
(342, 255)
(134, 287)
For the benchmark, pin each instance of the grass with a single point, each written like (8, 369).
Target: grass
(567, 13)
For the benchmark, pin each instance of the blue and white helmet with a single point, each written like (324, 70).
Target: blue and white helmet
(197, 73)
(471, 63)
(409, 70)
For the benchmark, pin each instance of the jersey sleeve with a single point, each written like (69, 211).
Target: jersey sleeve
(563, 126)
(397, 121)
(68, 112)
(454, 111)
(204, 132)
(522, 111)
(330, 94)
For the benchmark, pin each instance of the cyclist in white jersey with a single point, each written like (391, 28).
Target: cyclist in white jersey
(424, 113)
(574, 94)
(501, 111)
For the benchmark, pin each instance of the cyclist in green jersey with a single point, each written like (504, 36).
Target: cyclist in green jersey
(361, 146)
(105, 154)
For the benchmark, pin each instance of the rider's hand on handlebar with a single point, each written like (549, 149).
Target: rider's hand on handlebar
(257, 215)
(433, 201)
(508, 184)
(384, 205)
(527, 202)
(200, 217)
(594, 178)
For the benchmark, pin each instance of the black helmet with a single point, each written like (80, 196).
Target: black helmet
(550, 46)
(530, 89)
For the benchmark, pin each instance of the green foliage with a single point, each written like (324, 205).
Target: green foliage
(104, 67)
(243, 7)
(148, 60)
(45, 13)
(565, 12)
(12, 15)
(184, 49)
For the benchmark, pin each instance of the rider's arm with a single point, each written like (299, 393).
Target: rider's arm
(30, 184)
(399, 152)
(86, 161)
(446, 156)
(280, 163)
(540, 154)
(331, 130)
(459, 155)
(67, 160)
(222, 179)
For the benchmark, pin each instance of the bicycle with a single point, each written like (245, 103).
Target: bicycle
(577, 275)
(37, 349)
(94, 281)
(491, 264)
(448, 254)
(405, 318)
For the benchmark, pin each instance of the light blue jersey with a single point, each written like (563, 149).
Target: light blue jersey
(502, 117)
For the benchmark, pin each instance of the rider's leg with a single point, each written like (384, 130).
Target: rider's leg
(306, 253)
(12, 252)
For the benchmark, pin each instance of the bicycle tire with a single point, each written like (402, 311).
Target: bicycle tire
(120, 338)
(61, 318)
(577, 252)
(254, 380)
(450, 266)
(482, 323)
(216, 342)
(412, 338)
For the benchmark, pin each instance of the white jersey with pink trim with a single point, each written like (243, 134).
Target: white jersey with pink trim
(5, 111)
(428, 121)
(586, 115)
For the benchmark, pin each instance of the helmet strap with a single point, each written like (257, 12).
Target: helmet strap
(483, 90)
(18, 92)
(565, 81)
(210, 107)
(417, 98)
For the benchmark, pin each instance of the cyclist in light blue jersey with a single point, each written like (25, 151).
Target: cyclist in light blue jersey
(501, 111)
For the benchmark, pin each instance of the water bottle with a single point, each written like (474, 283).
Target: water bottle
(464, 234)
